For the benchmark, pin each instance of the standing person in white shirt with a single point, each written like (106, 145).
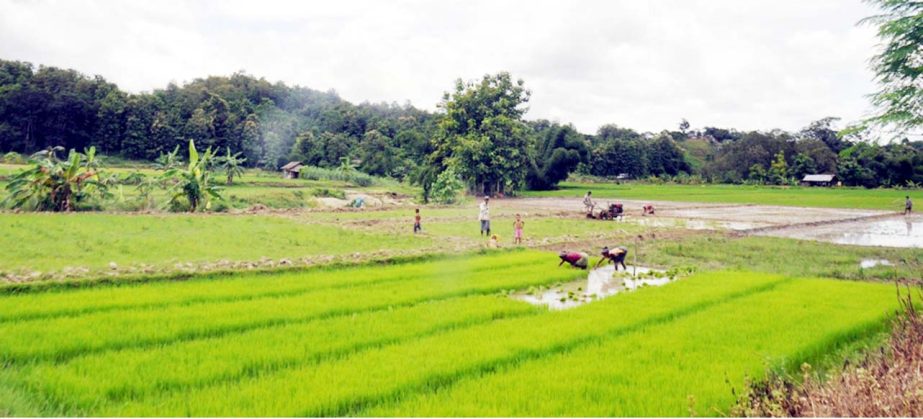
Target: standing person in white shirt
(484, 216)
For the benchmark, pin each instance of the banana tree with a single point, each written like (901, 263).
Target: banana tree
(194, 183)
(231, 164)
(167, 161)
(54, 184)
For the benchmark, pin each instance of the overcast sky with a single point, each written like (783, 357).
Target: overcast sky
(745, 64)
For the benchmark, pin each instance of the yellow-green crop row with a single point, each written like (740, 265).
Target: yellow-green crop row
(64, 337)
(432, 337)
(69, 302)
(197, 363)
(666, 369)
(344, 386)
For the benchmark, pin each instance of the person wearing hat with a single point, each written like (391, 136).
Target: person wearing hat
(575, 259)
(484, 216)
(616, 256)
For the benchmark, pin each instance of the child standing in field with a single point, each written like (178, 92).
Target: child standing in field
(517, 229)
(416, 222)
(908, 205)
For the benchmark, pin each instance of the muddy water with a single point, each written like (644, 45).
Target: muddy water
(898, 231)
(765, 215)
(600, 283)
(695, 224)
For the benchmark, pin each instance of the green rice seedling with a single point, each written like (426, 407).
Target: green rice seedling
(89, 380)
(65, 337)
(654, 371)
(244, 286)
(346, 385)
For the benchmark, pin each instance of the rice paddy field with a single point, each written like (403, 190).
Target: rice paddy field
(435, 337)
(282, 307)
(837, 197)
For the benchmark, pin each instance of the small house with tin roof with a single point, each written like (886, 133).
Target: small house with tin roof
(291, 170)
(818, 180)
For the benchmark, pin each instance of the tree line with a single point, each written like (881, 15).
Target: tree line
(478, 138)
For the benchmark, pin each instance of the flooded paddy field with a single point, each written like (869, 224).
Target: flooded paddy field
(897, 231)
(600, 283)
(858, 227)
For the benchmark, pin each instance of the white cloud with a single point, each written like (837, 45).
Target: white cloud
(749, 64)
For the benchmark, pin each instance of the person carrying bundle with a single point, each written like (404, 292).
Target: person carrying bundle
(575, 259)
(616, 256)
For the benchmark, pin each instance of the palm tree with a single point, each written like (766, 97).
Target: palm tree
(232, 165)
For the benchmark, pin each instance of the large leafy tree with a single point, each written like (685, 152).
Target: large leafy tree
(558, 151)
(481, 134)
(899, 66)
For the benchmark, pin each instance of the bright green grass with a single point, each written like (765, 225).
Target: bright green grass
(70, 302)
(395, 339)
(54, 241)
(341, 386)
(666, 369)
(778, 255)
(68, 336)
(197, 363)
(884, 199)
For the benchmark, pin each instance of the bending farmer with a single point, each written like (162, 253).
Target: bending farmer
(616, 256)
(575, 259)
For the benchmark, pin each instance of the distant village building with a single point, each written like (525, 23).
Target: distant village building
(292, 170)
(818, 180)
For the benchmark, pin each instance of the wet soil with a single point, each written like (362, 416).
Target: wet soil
(896, 231)
(600, 283)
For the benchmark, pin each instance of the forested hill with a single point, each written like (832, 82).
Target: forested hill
(48, 106)
(273, 123)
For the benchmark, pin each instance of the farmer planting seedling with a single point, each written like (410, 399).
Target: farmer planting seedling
(575, 259)
(616, 256)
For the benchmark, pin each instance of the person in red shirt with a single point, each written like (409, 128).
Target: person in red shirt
(575, 259)
(416, 223)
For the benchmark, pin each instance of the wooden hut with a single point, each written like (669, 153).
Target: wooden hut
(818, 180)
(291, 170)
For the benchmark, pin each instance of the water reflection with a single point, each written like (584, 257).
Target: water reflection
(600, 283)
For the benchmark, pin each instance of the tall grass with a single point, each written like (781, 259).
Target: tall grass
(352, 176)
